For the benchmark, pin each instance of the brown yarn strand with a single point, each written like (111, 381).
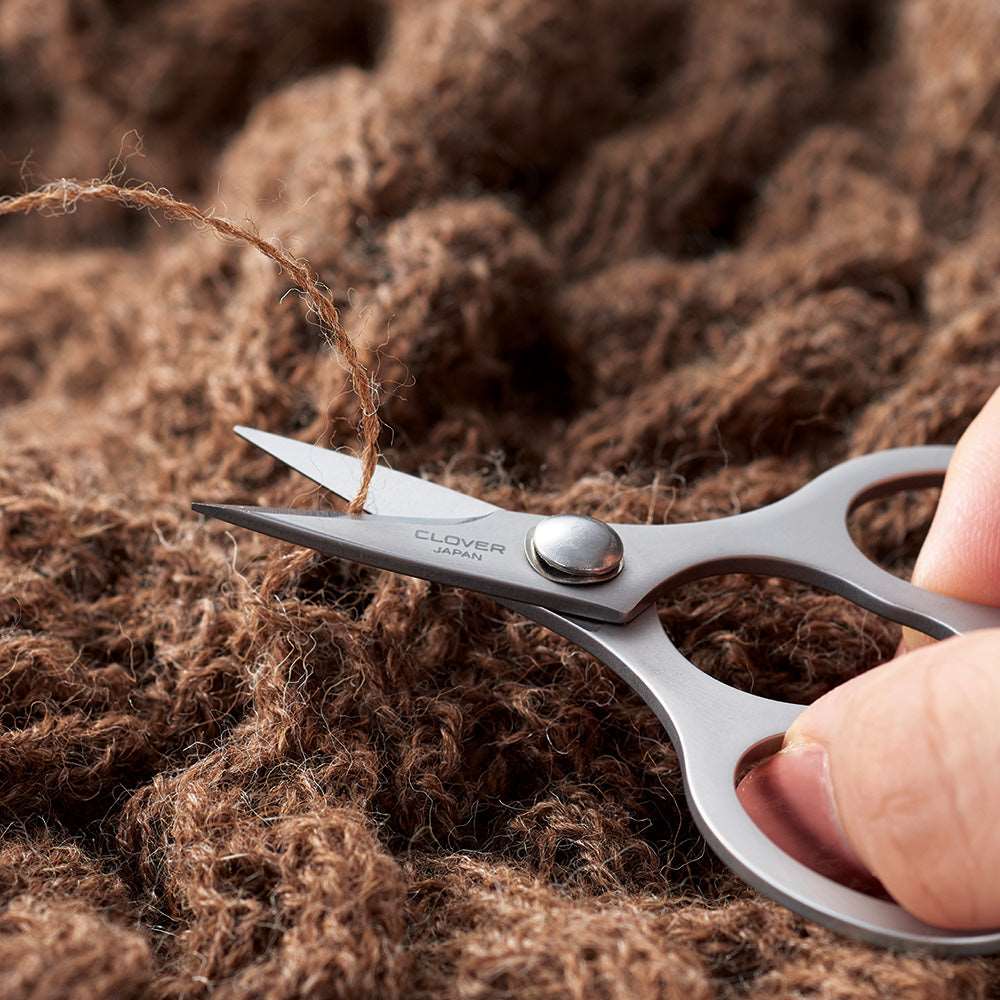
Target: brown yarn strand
(61, 196)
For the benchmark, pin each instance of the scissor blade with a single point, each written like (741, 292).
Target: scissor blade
(432, 548)
(391, 493)
(484, 554)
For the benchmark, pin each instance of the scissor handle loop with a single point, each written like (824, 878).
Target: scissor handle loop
(825, 504)
(805, 537)
(881, 473)
(713, 727)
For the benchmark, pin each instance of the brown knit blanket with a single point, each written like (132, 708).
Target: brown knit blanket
(645, 259)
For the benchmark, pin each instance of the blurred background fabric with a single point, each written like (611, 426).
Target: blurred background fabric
(644, 259)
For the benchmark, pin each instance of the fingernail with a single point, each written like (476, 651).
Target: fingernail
(790, 797)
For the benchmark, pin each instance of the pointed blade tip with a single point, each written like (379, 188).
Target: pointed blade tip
(212, 509)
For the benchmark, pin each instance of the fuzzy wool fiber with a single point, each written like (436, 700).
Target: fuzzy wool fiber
(649, 260)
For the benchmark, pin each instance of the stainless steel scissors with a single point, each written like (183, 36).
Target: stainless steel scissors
(596, 583)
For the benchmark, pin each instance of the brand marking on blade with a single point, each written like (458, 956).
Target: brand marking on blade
(456, 545)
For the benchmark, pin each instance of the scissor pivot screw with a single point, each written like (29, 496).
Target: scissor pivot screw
(571, 549)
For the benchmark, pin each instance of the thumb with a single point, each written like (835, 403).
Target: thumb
(891, 778)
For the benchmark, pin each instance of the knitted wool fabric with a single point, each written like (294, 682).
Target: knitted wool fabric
(647, 260)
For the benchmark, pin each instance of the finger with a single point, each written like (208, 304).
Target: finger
(901, 762)
(961, 554)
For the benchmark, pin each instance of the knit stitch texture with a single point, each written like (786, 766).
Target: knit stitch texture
(649, 260)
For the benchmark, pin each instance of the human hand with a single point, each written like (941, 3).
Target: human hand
(893, 779)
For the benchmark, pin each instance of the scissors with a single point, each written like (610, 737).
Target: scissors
(596, 584)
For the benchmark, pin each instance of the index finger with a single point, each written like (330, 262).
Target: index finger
(961, 554)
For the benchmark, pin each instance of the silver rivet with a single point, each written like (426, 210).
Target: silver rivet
(571, 549)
